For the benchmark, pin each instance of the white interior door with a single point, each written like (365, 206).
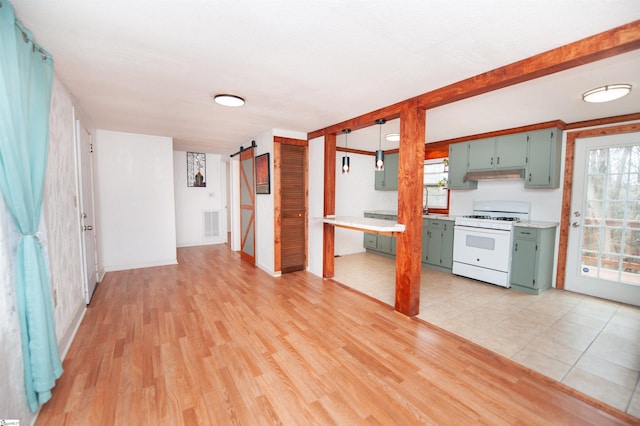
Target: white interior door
(603, 253)
(85, 150)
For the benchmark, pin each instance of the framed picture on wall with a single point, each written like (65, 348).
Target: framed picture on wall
(196, 169)
(262, 174)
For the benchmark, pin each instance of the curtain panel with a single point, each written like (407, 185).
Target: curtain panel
(26, 77)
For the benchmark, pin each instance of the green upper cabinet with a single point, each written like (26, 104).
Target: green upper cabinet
(481, 154)
(502, 152)
(543, 168)
(511, 151)
(387, 179)
(458, 163)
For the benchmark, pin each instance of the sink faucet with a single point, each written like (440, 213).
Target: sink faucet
(425, 209)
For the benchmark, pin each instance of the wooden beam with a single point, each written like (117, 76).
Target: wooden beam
(616, 41)
(277, 207)
(410, 181)
(591, 49)
(328, 238)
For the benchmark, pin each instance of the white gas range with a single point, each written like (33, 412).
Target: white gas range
(482, 241)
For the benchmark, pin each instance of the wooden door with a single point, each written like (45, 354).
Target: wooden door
(247, 207)
(293, 206)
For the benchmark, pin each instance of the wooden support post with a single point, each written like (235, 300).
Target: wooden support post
(410, 186)
(328, 237)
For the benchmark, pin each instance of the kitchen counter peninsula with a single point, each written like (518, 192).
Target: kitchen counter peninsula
(366, 224)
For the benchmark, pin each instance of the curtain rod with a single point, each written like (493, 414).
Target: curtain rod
(242, 148)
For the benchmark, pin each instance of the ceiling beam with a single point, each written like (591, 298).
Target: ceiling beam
(616, 41)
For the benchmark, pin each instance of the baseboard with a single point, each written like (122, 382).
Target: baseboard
(70, 334)
(140, 265)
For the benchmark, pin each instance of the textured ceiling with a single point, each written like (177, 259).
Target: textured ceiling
(149, 67)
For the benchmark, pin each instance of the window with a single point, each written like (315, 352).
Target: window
(436, 174)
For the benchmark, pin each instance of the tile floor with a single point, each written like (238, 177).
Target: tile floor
(590, 344)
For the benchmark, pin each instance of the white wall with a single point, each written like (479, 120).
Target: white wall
(316, 205)
(62, 216)
(62, 241)
(234, 202)
(355, 194)
(192, 202)
(134, 178)
(264, 210)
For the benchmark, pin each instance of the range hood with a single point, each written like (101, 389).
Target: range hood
(494, 174)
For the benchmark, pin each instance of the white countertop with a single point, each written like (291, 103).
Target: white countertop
(438, 216)
(376, 226)
(387, 212)
(536, 224)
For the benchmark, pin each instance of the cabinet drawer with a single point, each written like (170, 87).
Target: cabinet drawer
(526, 233)
(436, 224)
(370, 241)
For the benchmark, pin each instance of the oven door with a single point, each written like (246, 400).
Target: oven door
(486, 248)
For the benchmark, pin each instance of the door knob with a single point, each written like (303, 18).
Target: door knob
(88, 228)
(575, 225)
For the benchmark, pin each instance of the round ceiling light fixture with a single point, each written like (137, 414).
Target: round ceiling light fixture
(392, 137)
(607, 93)
(229, 100)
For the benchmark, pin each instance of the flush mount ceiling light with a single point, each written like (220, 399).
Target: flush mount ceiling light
(228, 100)
(607, 93)
(392, 137)
(345, 160)
(380, 152)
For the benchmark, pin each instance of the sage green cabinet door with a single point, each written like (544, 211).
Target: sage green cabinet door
(543, 168)
(446, 250)
(434, 244)
(511, 151)
(437, 243)
(523, 262)
(481, 154)
(387, 179)
(425, 240)
(386, 244)
(370, 241)
(458, 162)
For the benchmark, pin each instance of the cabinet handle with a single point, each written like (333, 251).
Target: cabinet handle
(529, 177)
(492, 161)
(525, 233)
(498, 162)
(516, 249)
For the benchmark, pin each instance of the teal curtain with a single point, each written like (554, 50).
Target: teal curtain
(26, 76)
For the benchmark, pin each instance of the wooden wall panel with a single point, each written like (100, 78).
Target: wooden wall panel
(328, 239)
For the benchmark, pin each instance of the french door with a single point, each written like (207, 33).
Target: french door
(603, 252)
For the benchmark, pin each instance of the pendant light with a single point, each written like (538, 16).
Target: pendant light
(380, 152)
(345, 160)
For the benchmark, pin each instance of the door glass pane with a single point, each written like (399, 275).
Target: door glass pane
(610, 247)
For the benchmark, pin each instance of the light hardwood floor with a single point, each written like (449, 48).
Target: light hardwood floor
(590, 344)
(213, 340)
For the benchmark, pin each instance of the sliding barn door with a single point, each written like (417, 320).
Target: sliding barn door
(247, 208)
(293, 207)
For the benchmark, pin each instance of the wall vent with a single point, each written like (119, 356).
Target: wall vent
(211, 223)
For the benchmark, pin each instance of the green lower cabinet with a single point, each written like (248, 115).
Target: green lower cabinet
(381, 244)
(437, 244)
(532, 259)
